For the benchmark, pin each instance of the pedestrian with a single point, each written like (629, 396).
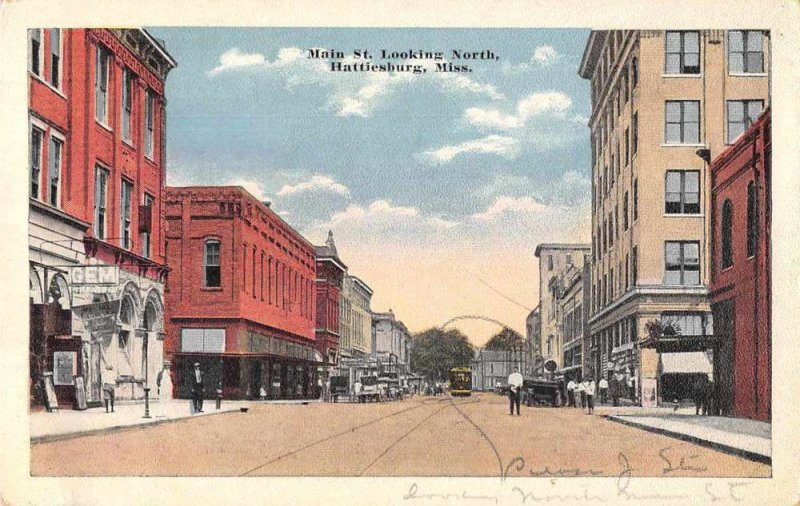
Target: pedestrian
(357, 389)
(109, 387)
(571, 392)
(629, 383)
(319, 389)
(590, 389)
(699, 393)
(165, 389)
(603, 387)
(197, 388)
(514, 390)
(326, 391)
(580, 394)
(709, 399)
(615, 387)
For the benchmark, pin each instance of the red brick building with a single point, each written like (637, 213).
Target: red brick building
(330, 276)
(741, 285)
(240, 296)
(97, 117)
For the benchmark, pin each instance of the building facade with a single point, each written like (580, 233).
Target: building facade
(331, 272)
(355, 324)
(97, 123)
(240, 296)
(491, 368)
(741, 283)
(532, 339)
(554, 259)
(661, 102)
(572, 316)
(392, 342)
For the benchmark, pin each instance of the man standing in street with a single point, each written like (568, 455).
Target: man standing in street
(603, 386)
(514, 387)
(197, 388)
(571, 393)
(589, 388)
(580, 394)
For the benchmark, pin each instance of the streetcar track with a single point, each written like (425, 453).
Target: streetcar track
(483, 434)
(424, 403)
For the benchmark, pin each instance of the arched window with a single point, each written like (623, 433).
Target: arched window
(752, 220)
(727, 234)
(36, 295)
(59, 291)
(127, 318)
(211, 265)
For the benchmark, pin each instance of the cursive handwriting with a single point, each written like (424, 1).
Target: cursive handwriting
(413, 493)
(624, 484)
(570, 498)
(518, 464)
(683, 464)
(728, 493)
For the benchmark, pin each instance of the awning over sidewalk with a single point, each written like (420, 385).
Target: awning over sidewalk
(689, 362)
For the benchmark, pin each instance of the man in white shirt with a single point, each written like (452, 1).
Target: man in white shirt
(590, 388)
(603, 386)
(580, 394)
(514, 389)
(571, 393)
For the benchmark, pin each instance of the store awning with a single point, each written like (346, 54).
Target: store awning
(690, 362)
(675, 344)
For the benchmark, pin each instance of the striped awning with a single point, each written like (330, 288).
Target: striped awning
(688, 363)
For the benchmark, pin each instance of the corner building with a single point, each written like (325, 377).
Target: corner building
(663, 104)
(97, 130)
(240, 297)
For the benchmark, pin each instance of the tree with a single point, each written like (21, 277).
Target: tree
(435, 351)
(505, 340)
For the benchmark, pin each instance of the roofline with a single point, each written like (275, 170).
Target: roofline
(562, 246)
(334, 261)
(358, 281)
(160, 48)
(582, 68)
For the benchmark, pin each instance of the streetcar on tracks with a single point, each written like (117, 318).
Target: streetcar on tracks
(460, 381)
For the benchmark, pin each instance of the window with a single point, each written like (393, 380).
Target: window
(149, 104)
(689, 324)
(203, 340)
(616, 220)
(145, 236)
(127, 103)
(681, 263)
(625, 211)
(549, 262)
(101, 85)
(100, 186)
(682, 122)
(55, 156)
(635, 199)
(745, 52)
(635, 127)
(727, 234)
(269, 280)
(35, 51)
(36, 161)
(55, 57)
(261, 270)
(742, 114)
(624, 87)
(627, 146)
(610, 231)
(253, 270)
(627, 272)
(752, 220)
(211, 265)
(125, 214)
(682, 53)
(611, 285)
(682, 192)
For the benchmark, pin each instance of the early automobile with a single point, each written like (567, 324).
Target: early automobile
(541, 391)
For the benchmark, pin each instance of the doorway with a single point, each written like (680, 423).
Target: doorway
(725, 325)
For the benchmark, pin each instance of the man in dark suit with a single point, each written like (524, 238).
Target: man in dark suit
(197, 388)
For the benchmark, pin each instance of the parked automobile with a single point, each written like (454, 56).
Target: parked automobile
(541, 391)
(369, 389)
(340, 386)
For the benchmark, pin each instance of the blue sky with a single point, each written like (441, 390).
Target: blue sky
(436, 185)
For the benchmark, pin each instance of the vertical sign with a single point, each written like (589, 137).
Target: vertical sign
(649, 398)
(64, 367)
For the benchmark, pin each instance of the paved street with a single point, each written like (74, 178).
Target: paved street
(423, 436)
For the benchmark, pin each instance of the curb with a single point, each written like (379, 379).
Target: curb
(732, 450)
(117, 428)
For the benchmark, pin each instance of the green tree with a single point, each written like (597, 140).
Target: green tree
(505, 340)
(435, 351)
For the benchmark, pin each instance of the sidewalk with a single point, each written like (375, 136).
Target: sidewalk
(746, 438)
(68, 423)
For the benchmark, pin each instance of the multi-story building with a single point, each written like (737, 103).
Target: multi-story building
(97, 118)
(554, 259)
(331, 272)
(572, 315)
(741, 283)
(661, 102)
(240, 296)
(532, 340)
(355, 325)
(391, 343)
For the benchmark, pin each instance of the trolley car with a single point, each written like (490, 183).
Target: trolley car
(460, 381)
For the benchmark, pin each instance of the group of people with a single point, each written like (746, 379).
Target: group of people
(583, 392)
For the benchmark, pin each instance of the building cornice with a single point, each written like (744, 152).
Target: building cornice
(659, 290)
(58, 214)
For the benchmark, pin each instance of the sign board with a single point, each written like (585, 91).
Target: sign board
(101, 318)
(550, 366)
(50, 392)
(80, 393)
(64, 364)
(94, 275)
(649, 392)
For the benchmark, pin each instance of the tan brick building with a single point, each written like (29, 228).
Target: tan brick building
(660, 99)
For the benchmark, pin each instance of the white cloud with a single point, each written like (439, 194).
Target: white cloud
(545, 55)
(234, 59)
(316, 183)
(382, 215)
(254, 187)
(509, 205)
(541, 103)
(536, 104)
(491, 118)
(491, 144)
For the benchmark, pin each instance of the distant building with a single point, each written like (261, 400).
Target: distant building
(658, 98)
(330, 276)
(391, 343)
(491, 368)
(554, 260)
(741, 283)
(572, 316)
(241, 298)
(355, 324)
(532, 340)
